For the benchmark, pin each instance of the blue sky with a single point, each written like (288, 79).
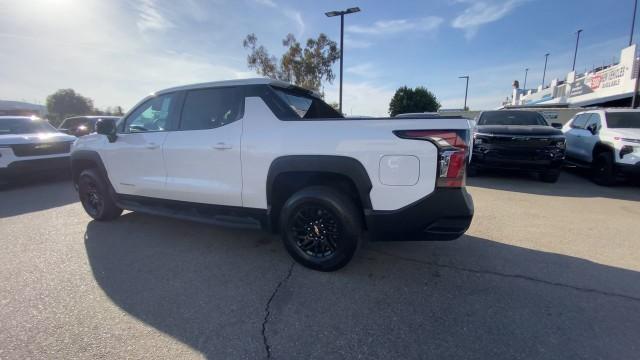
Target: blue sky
(116, 52)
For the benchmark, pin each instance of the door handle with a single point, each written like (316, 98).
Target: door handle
(222, 146)
(152, 146)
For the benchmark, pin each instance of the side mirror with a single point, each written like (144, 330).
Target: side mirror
(556, 125)
(593, 129)
(107, 127)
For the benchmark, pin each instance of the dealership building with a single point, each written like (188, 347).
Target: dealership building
(606, 86)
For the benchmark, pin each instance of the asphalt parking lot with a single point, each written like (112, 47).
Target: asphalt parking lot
(547, 271)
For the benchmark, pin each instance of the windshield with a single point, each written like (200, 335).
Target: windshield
(511, 118)
(25, 126)
(76, 122)
(307, 106)
(623, 120)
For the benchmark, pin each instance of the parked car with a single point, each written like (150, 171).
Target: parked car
(518, 140)
(31, 144)
(606, 141)
(82, 125)
(265, 153)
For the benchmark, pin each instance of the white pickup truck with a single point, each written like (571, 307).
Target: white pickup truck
(264, 153)
(607, 141)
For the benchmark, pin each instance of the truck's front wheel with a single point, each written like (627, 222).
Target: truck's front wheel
(603, 169)
(94, 196)
(321, 228)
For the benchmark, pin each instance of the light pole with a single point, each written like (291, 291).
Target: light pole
(634, 99)
(544, 72)
(342, 14)
(633, 21)
(526, 71)
(575, 52)
(466, 90)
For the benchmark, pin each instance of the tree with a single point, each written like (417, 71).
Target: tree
(408, 100)
(306, 67)
(66, 102)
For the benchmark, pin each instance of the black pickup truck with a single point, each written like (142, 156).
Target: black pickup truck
(518, 140)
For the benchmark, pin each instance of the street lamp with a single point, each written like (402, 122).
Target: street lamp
(526, 71)
(342, 14)
(466, 90)
(633, 21)
(544, 72)
(575, 52)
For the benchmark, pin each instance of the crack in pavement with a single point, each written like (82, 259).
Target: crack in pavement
(512, 276)
(267, 310)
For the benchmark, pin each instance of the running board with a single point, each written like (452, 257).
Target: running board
(227, 216)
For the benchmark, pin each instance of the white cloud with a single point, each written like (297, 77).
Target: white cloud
(98, 57)
(427, 24)
(296, 17)
(293, 15)
(365, 70)
(362, 98)
(352, 43)
(269, 3)
(482, 12)
(150, 17)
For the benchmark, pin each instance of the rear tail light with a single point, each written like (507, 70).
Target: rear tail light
(452, 152)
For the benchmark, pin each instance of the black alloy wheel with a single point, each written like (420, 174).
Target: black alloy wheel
(94, 196)
(321, 227)
(91, 198)
(316, 230)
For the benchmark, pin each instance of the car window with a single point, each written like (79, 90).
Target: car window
(594, 119)
(153, 115)
(580, 121)
(307, 106)
(502, 117)
(75, 122)
(14, 126)
(211, 108)
(623, 120)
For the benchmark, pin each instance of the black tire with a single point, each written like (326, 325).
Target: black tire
(603, 169)
(550, 176)
(95, 197)
(321, 228)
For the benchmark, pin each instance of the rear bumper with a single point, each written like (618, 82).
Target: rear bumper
(444, 214)
(24, 167)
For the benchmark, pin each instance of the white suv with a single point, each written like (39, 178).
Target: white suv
(31, 145)
(264, 153)
(607, 141)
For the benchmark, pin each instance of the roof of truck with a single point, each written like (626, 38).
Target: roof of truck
(238, 82)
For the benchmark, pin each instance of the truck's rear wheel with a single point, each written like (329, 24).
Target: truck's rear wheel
(321, 228)
(95, 197)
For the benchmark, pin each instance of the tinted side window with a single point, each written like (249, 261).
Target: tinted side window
(154, 114)
(211, 108)
(580, 121)
(307, 106)
(594, 119)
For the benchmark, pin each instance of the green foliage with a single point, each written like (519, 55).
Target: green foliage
(408, 100)
(109, 111)
(306, 67)
(65, 103)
